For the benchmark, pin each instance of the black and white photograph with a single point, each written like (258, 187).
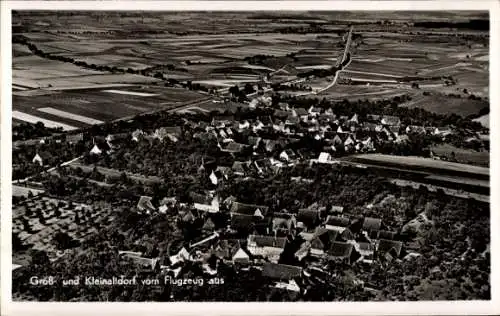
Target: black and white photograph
(250, 156)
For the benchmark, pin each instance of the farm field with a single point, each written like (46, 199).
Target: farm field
(419, 163)
(447, 191)
(363, 91)
(462, 155)
(82, 108)
(218, 53)
(443, 104)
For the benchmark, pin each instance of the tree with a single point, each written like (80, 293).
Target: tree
(63, 241)
(249, 88)
(234, 90)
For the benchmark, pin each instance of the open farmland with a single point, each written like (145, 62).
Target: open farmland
(424, 164)
(81, 108)
(462, 155)
(443, 104)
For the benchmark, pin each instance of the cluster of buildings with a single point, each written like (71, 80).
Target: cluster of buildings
(287, 247)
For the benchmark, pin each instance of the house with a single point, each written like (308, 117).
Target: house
(373, 117)
(262, 226)
(239, 256)
(342, 252)
(222, 249)
(281, 271)
(290, 286)
(242, 223)
(281, 114)
(329, 114)
(249, 209)
(244, 125)
(223, 134)
(170, 132)
(95, 150)
(390, 120)
(168, 201)
(384, 234)
(255, 165)
(292, 120)
(288, 155)
(337, 223)
(368, 144)
(182, 255)
(303, 251)
(208, 225)
(240, 168)
(74, 138)
(337, 140)
(349, 141)
(442, 131)
(269, 247)
(394, 129)
(365, 249)
(325, 158)
(354, 119)
(37, 159)
(220, 121)
(199, 198)
(188, 217)
(389, 249)
(137, 135)
(314, 111)
(254, 141)
(223, 171)
(257, 126)
(145, 204)
(300, 112)
(369, 126)
(335, 209)
(310, 217)
(163, 209)
(283, 222)
(210, 207)
(415, 129)
(321, 241)
(213, 178)
(233, 147)
(371, 224)
(149, 263)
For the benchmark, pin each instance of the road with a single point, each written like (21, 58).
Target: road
(49, 170)
(344, 58)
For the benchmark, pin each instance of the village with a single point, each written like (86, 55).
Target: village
(336, 156)
(292, 246)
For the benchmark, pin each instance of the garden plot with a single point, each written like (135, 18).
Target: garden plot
(37, 221)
